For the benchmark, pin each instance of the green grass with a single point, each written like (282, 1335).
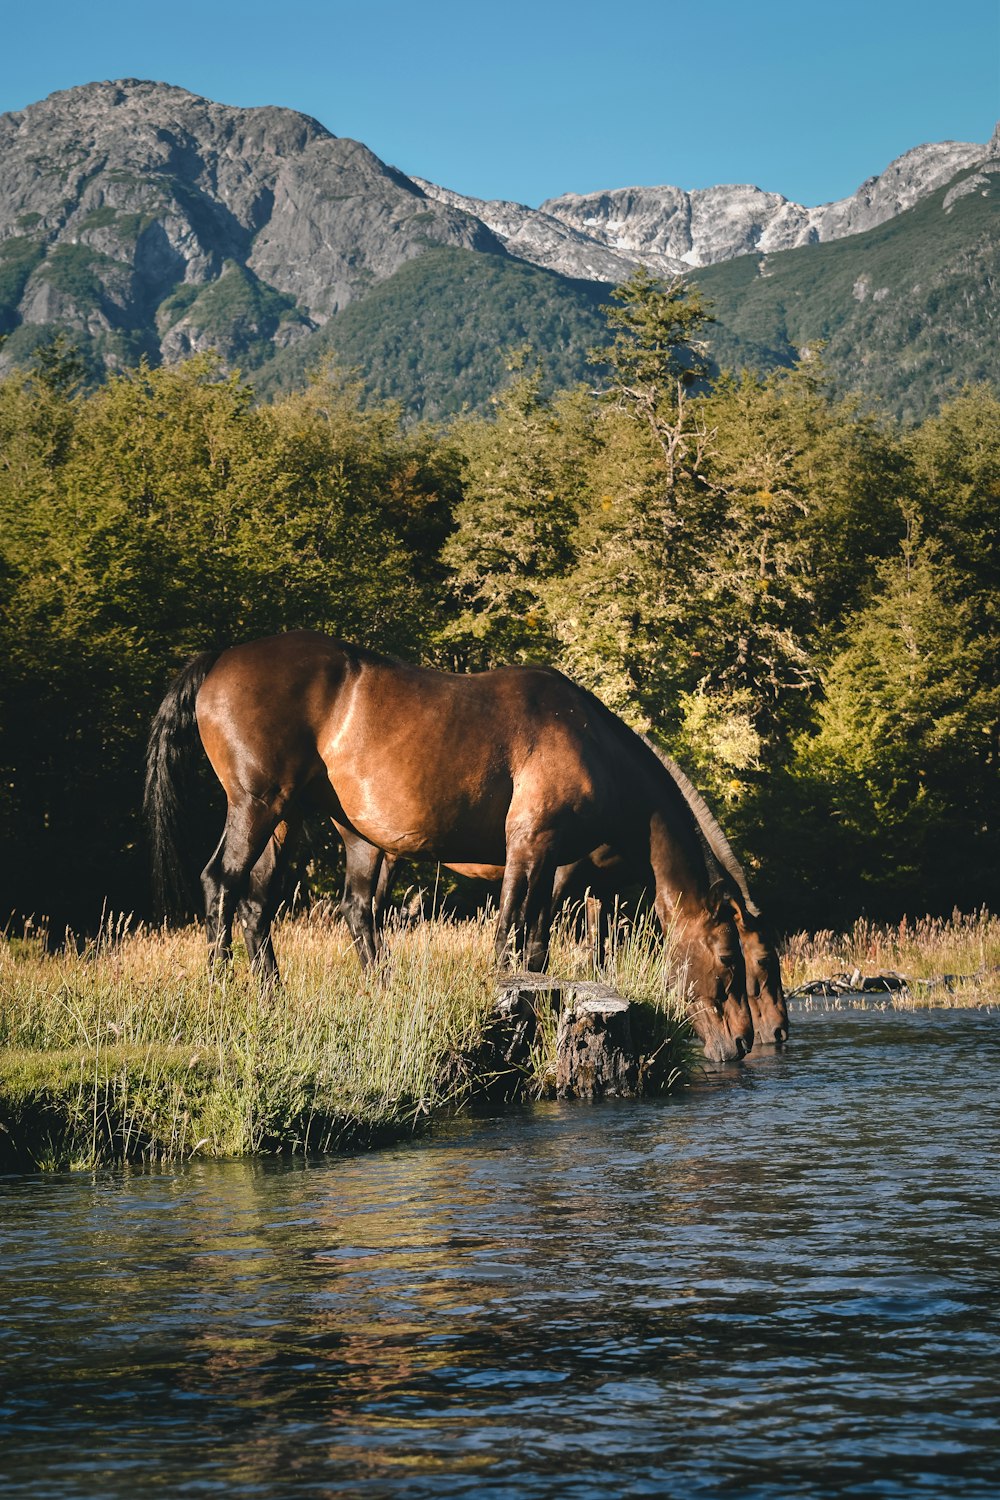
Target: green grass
(126, 1051)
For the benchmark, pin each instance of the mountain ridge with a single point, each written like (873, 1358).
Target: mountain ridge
(148, 222)
(671, 230)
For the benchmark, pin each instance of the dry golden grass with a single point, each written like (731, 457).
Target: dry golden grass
(965, 948)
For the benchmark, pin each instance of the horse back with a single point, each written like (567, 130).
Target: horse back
(414, 760)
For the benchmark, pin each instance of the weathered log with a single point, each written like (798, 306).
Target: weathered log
(856, 983)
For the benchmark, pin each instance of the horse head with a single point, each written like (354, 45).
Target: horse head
(763, 973)
(718, 1008)
(764, 988)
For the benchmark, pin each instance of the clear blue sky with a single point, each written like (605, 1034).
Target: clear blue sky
(525, 99)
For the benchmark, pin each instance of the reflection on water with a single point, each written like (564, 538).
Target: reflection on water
(784, 1281)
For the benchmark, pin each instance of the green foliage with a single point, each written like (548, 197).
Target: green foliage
(153, 518)
(236, 313)
(956, 463)
(58, 367)
(718, 741)
(18, 258)
(75, 271)
(799, 601)
(514, 523)
(128, 226)
(436, 336)
(901, 309)
(900, 759)
(123, 346)
(803, 501)
(714, 563)
(657, 344)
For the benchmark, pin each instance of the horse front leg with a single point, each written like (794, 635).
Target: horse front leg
(526, 901)
(383, 891)
(364, 863)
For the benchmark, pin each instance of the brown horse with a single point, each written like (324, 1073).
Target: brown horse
(602, 874)
(517, 768)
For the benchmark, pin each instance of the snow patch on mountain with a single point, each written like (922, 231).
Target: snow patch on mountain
(605, 235)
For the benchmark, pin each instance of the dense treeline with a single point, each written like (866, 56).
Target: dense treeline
(797, 600)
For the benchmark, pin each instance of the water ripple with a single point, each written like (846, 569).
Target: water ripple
(784, 1281)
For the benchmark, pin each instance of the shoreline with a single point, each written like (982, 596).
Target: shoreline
(127, 1053)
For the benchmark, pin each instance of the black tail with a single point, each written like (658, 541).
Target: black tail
(171, 739)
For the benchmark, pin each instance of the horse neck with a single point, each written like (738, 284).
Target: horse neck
(680, 868)
(719, 852)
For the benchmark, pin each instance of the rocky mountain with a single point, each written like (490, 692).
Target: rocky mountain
(557, 243)
(150, 221)
(669, 230)
(144, 221)
(906, 312)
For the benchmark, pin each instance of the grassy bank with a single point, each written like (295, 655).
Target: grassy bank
(125, 1051)
(947, 961)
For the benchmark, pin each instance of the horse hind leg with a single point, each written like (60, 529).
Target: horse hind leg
(259, 907)
(220, 941)
(226, 878)
(364, 864)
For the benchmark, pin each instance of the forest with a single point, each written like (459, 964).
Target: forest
(794, 596)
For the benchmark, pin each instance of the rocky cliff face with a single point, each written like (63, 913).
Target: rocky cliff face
(670, 230)
(143, 220)
(115, 195)
(545, 239)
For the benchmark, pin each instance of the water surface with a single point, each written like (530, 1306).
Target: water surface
(784, 1281)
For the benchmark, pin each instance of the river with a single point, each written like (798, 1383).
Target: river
(785, 1280)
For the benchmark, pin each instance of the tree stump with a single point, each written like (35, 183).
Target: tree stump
(595, 1051)
(504, 1056)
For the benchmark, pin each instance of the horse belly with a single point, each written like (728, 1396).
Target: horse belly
(417, 810)
(425, 764)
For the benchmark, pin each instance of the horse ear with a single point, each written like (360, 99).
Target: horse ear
(725, 903)
(720, 900)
